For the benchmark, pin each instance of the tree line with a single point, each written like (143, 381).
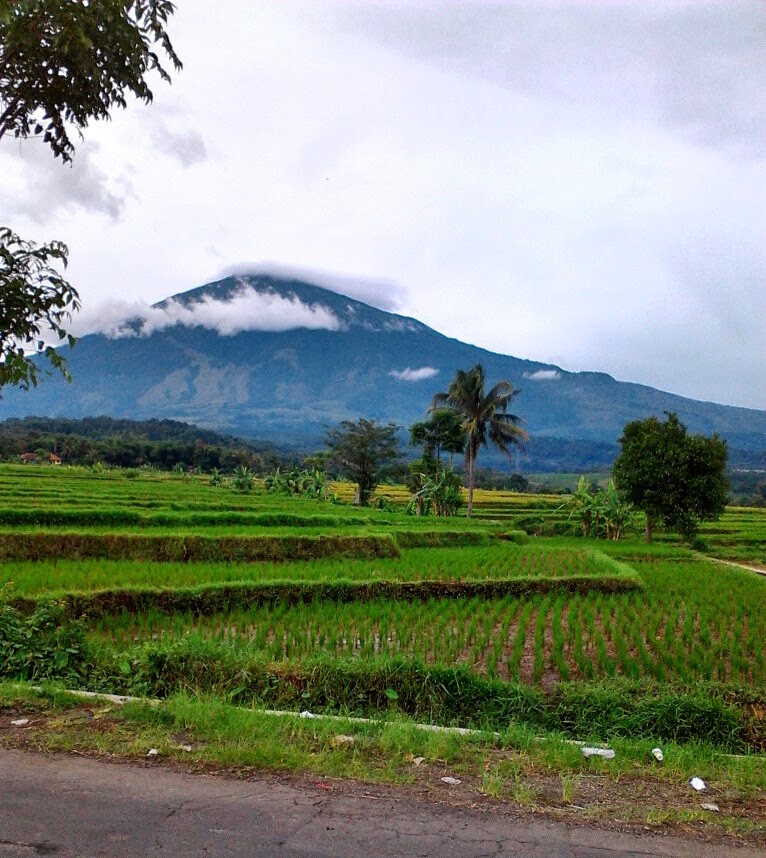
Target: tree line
(675, 479)
(161, 444)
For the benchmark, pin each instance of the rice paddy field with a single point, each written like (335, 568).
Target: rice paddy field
(179, 570)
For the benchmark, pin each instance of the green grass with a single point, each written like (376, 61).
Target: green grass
(499, 561)
(231, 737)
(692, 621)
(52, 545)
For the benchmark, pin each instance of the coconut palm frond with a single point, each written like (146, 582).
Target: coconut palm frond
(441, 400)
(501, 394)
(506, 435)
(505, 417)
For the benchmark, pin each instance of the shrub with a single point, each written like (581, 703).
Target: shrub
(449, 695)
(42, 645)
(520, 537)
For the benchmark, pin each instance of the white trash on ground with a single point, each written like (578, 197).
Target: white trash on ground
(605, 753)
(710, 805)
(658, 755)
(697, 783)
(20, 722)
(451, 781)
(153, 752)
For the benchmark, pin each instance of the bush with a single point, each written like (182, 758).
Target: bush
(520, 537)
(42, 645)
(539, 526)
(447, 695)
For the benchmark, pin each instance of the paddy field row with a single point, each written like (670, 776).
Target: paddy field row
(170, 573)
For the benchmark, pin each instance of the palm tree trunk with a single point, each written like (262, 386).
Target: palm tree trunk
(471, 458)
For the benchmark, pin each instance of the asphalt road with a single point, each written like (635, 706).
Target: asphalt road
(72, 806)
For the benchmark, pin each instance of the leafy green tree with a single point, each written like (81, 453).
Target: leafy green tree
(34, 301)
(517, 483)
(63, 63)
(443, 432)
(362, 450)
(432, 486)
(677, 479)
(484, 417)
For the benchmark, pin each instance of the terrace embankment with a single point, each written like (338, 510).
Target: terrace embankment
(169, 583)
(190, 548)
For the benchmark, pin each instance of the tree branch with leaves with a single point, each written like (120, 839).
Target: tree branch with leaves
(35, 301)
(63, 63)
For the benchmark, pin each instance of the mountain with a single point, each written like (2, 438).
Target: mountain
(354, 360)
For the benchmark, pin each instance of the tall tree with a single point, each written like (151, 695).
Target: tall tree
(677, 479)
(443, 432)
(362, 451)
(63, 63)
(484, 416)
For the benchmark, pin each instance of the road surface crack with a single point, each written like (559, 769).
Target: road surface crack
(42, 848)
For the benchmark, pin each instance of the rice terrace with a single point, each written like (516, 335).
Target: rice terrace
(214, 600)
(382, 429)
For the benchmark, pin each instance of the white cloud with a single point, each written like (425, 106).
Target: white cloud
(45, 186)
(247, 310)
(185, 144)
(380, 293)
(594, 171)
(414, 374)
(543, 375)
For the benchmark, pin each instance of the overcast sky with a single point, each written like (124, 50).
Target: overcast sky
(577, 183)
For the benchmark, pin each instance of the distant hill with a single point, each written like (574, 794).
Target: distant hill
(285, 386)
(163, 444)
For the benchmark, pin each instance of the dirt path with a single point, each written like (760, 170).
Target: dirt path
(72, 806)
(759, 570)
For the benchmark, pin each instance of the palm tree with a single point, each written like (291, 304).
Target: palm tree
(484, 417)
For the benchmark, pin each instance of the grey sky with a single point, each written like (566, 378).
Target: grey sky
(582, 184)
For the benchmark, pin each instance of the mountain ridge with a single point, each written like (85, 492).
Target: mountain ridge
(357, 360)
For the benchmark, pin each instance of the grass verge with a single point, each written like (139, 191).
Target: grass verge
(516, 768)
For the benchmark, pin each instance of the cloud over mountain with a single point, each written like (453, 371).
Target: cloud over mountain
(420, 374)
(383, 294)
(543, 375)
(246, 310)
